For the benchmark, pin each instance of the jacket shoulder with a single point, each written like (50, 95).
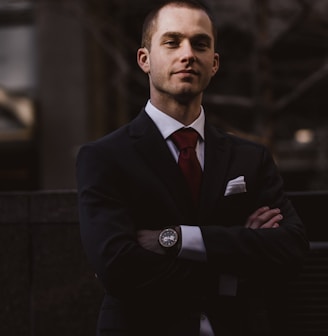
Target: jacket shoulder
(237, 140)
(120, 137)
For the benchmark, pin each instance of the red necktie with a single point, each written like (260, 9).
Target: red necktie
(186, 139)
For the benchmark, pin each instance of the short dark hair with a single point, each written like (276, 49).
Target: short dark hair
(151, 19)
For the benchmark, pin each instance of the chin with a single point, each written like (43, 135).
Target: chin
(185, 97)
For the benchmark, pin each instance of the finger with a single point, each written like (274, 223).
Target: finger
(260, 211)
(268, 217)
(272, 223)
(255, 215)
(258, 218)
(271, 226)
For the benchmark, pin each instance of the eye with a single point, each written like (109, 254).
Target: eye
(200, 45)
(171, 43)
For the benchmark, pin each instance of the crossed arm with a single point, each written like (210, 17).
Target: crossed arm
(262, 218)
(127, 266)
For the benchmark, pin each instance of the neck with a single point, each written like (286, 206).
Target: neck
(185, 112)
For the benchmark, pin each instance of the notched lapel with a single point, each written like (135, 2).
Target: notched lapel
(155, 152)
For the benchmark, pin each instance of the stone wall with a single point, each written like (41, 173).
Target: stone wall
(47, 286)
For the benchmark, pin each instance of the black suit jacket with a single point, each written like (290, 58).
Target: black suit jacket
(129, 181)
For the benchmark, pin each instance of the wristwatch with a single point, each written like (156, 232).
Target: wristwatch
(168, 239)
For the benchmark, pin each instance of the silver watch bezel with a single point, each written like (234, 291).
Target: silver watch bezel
(162, 234)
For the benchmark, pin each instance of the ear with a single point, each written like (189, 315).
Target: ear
(216, 64)
(143, 59)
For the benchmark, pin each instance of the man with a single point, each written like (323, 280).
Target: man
(177, 258)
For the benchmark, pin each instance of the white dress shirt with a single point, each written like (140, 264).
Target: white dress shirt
(192, 243)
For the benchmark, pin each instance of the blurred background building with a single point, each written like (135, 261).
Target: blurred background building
(68, 74)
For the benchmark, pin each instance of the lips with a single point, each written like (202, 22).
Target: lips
(187, 72)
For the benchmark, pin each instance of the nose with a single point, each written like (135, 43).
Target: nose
(187, 52)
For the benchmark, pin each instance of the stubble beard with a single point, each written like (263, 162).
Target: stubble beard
(183, 95)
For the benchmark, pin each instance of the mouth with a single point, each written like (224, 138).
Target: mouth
(186, 72)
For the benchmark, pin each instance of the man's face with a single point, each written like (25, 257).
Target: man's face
(181, 60)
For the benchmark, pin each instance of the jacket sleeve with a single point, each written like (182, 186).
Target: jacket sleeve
(108, 234)
(248, 252)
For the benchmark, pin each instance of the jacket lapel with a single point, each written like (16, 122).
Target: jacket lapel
(155, 152)
(217, 158)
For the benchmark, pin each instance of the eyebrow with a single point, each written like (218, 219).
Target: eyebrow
(172, 35)
(178, 35)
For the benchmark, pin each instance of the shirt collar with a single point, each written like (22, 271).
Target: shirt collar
(168, 125)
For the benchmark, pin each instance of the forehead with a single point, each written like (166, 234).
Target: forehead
(185, 20)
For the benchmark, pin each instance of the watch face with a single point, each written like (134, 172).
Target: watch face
(168, 238)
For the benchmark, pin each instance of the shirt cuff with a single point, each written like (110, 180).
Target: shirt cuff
(192, 244)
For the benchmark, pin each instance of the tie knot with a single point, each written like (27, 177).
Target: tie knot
(185, 138)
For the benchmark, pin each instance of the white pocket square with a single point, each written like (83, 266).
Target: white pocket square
(236, 186)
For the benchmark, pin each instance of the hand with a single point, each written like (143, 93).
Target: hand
(264, 218)
(148, 239)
